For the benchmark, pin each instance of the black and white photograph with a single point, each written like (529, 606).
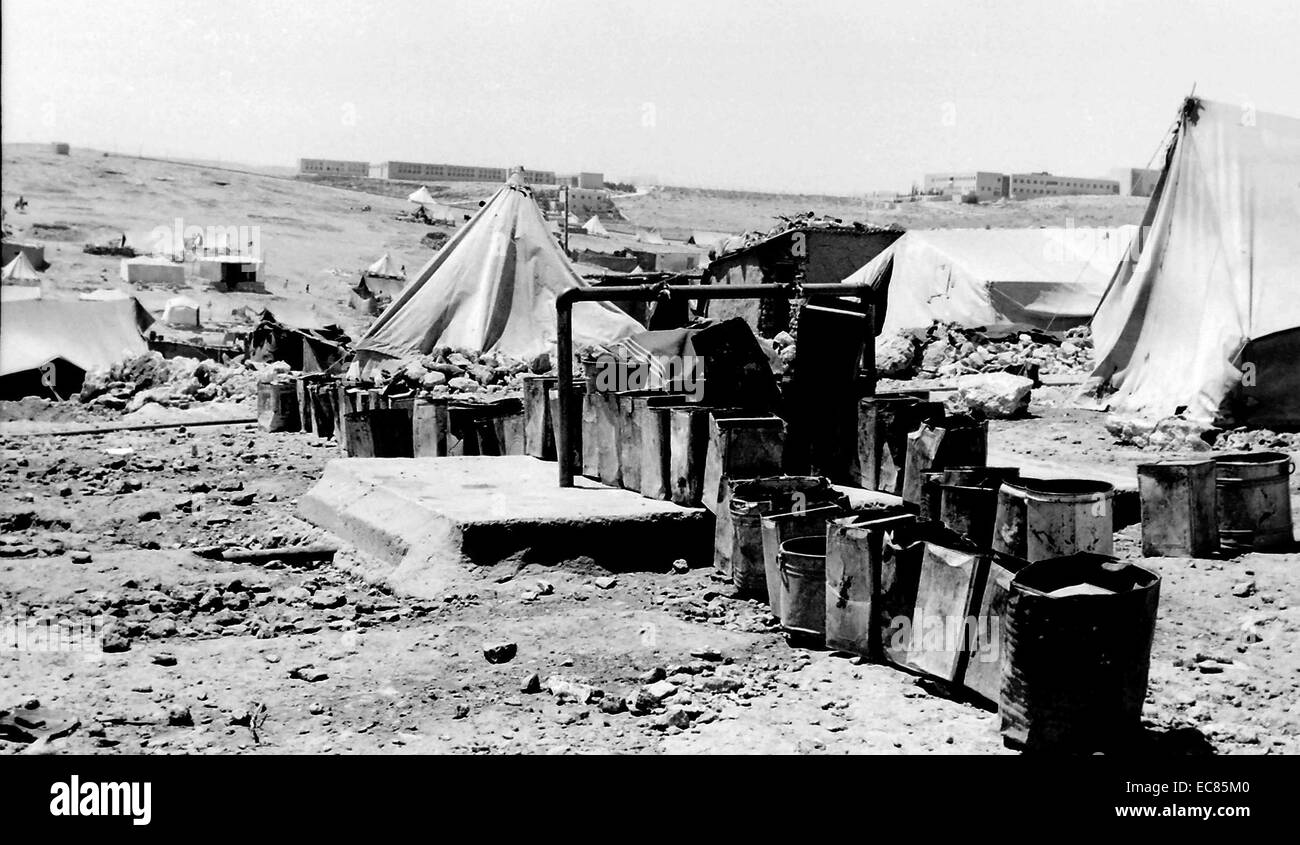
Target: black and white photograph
(388, 381)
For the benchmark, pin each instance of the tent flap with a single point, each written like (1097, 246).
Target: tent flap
(1220, 268)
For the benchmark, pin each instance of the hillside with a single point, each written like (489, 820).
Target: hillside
(317, 234)
(315, 238)
(738, 211)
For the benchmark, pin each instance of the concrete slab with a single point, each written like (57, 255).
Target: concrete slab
(423, 521)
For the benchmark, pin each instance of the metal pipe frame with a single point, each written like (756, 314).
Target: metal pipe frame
(648, 293)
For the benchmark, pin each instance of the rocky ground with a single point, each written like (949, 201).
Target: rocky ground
(211, 655)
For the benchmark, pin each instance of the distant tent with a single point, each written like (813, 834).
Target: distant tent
(383, 267)
(181, 311)
(999, 279)
(1208, 319)
(304, 350)
(44, 340)
(19, 270)
(492, 287)
(421, 196)
(649, 236)
(573, 220)
(595, 227)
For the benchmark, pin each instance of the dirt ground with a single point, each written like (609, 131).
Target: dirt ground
(213, 656)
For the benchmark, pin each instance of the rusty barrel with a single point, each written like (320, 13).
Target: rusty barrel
(853, 561)
(1046, 518)
(803, 587)
(1077, 649)
(1254, 500)
(1178, 508)
(968, 500)
(277, 406)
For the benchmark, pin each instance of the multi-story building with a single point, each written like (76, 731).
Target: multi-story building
(1042, 184)
(332, 167)
(411, 171)
(595, 181)
(983, 184)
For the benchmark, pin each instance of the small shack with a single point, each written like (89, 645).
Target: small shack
(149, 270)
(230, 270)
(808, 249)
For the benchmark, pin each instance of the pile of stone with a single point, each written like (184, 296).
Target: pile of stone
(447, 371)
(947, 351)
(1258, 439)
(1169, 434)
(131, 384)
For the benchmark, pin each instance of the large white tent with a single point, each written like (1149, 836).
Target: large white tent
(492, 287)
(999, 279)
(1207, 322)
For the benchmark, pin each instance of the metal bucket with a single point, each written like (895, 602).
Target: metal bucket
(884, 421)
(928, 507)
(1077, 649)
(968, 500)
(1254, 500)
(779, 527)
(746, 553)
(738, 550)
(803, 586)
(1039, 518)
(1178, 508)
(853, 546)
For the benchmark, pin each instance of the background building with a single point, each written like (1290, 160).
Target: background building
(594, 181)
(1043, 184)
(985, 185)
(989, 185)
(412, 171)
(333, 167)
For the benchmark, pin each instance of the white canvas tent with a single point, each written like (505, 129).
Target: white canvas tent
(421, 196)
(998, 279)
(19, 270)
(595, 227)
(384, 267)
(492, 287)
(84, 334)
(181, 311)
(1208, 319)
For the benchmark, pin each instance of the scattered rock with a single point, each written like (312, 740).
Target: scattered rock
(606, 582)
(531, 684)
(310, 674)
(502, 652)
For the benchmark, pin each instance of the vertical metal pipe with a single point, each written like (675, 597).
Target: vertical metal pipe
(564, 369)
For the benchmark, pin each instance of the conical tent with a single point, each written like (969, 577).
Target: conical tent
(1207, 322)
(595, 227)
(20, 270)
(998, 279)
(492, 287)
(421, 196)
(383, 267)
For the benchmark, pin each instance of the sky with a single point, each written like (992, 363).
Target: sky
(819, 97)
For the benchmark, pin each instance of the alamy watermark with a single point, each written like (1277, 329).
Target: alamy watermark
(190, 242)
